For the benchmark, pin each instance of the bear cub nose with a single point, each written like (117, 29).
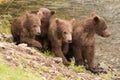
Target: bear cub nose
(69, 41)
(38, 33)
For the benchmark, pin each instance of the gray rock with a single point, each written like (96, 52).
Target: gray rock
(22, 45)
(9, 58)
(57, 60)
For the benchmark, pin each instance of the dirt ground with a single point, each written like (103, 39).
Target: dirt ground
(49, 68)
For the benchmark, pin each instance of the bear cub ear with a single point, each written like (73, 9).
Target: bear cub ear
(95, 17)
(57, 20)
(53, 12)
(40, 14)
(73, 21)
(93, 14)
(28, 15)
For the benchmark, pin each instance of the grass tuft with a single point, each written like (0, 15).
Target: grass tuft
(77, 68)
(9, 73)
(43, 68)
(106, 76)
(5, 24)
(60, 77)
(48, 53)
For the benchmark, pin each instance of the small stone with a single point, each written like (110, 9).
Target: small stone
(43, 78)
(22, 45)
(57, 60)
(104, 66)
(8, 58)
(2, 45)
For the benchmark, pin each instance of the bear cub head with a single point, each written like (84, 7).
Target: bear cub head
(33, 24)
(65, 29)
(101, 26)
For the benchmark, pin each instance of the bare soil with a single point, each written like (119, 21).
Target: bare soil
(49, 68)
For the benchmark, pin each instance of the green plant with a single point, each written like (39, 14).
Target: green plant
(23, 59)
(78, 78)
(77, 68)
(1, 55)
(48, 53)
(10, 73)
(60, 77)
(106, 76)
(43, 68)
(5, 27)
(5, 1)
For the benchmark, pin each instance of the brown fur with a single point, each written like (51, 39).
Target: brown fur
(25, 28)
(82, 47)
(60, 35)
(45, 20)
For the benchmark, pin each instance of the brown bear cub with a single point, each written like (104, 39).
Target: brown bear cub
(60, 35)
(82, 47)
(45, 21)
(25, 28)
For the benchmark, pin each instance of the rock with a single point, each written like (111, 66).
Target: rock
(57, 60)
(104, 66)
(4, 37)
(1, 39)
(118, 78)
(9, 58)
(43, 78)
(22, 45)
(33, 64)
(2, 46)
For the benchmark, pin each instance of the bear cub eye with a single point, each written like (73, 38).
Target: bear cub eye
(65, 32)
(34, 25)
(105, 27)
